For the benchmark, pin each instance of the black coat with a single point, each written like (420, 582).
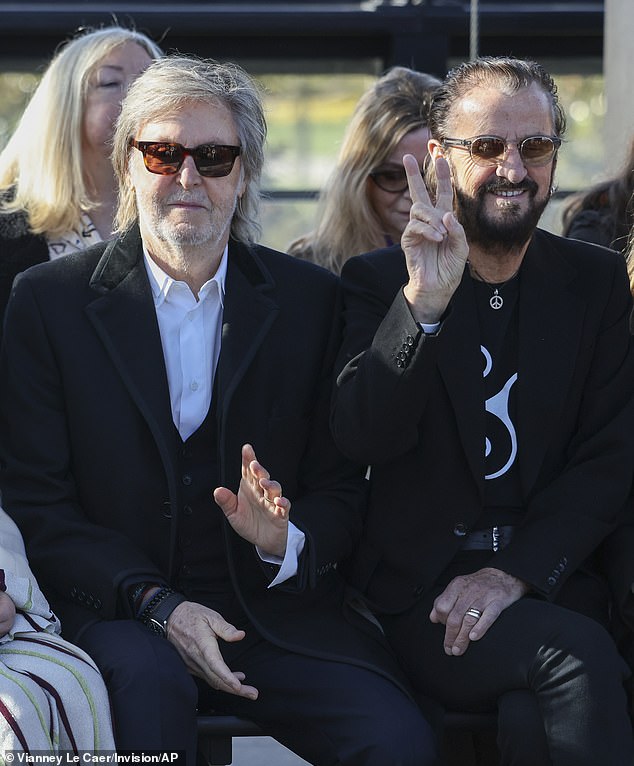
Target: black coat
(19, 249)
(86, 431)
(412, 407)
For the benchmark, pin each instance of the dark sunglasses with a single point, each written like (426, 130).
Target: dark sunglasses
(164, 159)
(490, 150)
(392, 180)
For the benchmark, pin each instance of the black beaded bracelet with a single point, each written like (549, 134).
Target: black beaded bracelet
(159, 608)
(137, 595)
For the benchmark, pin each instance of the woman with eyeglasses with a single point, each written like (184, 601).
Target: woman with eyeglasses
(365, 203)
(57, 186)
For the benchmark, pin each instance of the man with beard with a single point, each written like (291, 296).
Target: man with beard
(486, 378)
(139, 382)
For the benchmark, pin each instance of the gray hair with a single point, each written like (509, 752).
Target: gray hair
(502, 72)
(161, 90)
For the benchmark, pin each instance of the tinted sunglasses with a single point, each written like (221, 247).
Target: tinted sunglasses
(490, 150)
(390, 179)
(164, 159)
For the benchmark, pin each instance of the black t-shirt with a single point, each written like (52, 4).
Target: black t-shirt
(497, 310)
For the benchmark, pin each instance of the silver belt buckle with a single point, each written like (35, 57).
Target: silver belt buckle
(495, 538)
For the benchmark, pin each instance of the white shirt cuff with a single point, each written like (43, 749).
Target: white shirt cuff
(289, 564)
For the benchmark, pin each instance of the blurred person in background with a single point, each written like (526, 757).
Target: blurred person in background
(365, 203)
(603, 214)
(57, 187)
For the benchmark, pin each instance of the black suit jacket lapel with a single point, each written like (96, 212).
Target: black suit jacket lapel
(250, 310)
(550, 329)
(124, 317)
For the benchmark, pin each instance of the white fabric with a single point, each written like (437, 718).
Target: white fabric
(73, 241)
(190, 328)
(21, 584)
(52, 697)
(53, 694)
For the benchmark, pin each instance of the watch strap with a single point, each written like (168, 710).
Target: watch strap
(159, 608)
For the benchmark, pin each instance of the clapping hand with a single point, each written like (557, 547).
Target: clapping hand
(259, 512)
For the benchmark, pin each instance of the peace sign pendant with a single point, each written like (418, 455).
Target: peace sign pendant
(496, 301)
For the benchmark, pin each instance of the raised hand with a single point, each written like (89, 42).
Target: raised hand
(259, 512)
(196, 632)
(488, 592)
(434, 243)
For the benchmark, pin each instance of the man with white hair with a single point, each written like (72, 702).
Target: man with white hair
(149, 386)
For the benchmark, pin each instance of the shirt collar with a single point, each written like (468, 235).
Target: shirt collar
(161, 282)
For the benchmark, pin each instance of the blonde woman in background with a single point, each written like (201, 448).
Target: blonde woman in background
(365, 203)
(57, 186)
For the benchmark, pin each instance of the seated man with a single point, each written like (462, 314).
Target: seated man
(487, 377)
(147, 378)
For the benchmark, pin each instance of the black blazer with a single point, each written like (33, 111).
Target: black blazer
(412, 407)
(19, 249)
(86, 429)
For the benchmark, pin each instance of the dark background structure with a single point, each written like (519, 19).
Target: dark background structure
(424, 35)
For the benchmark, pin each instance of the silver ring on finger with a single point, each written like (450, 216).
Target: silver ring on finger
(473, 612)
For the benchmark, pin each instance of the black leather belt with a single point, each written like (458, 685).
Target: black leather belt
(489, 539)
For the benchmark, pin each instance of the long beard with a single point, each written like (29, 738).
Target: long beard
(510, 227)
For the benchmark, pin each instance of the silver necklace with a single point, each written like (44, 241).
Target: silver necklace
(496, 301)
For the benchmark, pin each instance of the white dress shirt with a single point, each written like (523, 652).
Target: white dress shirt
(190, 329)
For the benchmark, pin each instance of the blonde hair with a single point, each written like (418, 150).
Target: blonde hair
(41, 165)
(161, 90)
(346, 222)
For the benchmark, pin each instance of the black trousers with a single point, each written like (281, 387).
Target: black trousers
(327, 712)
(559, 665)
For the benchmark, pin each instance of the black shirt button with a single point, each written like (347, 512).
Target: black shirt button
(460, 530)
(187, 480)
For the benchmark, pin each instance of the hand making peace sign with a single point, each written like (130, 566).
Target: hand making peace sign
(434, 244)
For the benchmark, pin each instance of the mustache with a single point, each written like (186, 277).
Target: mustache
(503, 184)
(191, 199)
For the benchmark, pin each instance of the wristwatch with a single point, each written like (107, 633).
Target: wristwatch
(159, 608)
